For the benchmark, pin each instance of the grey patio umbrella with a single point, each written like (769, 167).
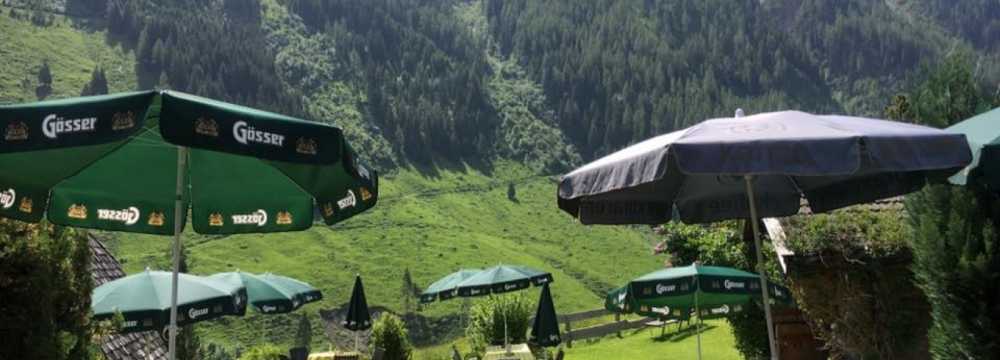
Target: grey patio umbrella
(760, 166)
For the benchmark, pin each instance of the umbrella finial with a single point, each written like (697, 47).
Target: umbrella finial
(739, 112)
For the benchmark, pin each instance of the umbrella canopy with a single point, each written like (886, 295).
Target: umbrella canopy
(142, 161)
(358, 317)
(983, 133)
(144, 300)
(110, 162)
(760, 166)
(712, 286)
(832, 161)
(271, 294)
(501, 279)
(447, 287)
(545, 329)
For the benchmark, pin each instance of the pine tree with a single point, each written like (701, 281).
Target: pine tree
(98, 84)
(44, 88)
(954, 230)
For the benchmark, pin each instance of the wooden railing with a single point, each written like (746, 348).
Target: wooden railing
(616, 327)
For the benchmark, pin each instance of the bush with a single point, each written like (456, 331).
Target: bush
(263, 352)
(851, 277)
(486, 322)
(389, 333)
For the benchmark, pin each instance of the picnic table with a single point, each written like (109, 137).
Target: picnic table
(335, 355)
(517, 352)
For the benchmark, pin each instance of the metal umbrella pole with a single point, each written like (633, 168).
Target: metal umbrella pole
(697, 311)
(178, 228)
(760, 267)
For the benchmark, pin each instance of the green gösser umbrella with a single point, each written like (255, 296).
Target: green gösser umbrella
(271, 294)
(447, 287)
(144, 300)
(711, 290)
(142, 161)
(501, 279)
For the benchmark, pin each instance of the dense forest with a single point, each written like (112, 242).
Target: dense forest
(548, 83)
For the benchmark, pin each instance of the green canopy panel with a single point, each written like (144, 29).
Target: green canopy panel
(111, 164)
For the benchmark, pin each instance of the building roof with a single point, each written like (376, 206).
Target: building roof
(146, 345)
(775, 228)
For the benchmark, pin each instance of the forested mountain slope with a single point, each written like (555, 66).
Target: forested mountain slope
(453, 100)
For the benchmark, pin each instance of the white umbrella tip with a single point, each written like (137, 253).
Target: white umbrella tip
(739, 113)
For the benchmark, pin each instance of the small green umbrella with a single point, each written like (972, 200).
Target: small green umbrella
(358, 318)
(711, 290)
(501, 279)
(144, 300)
(271, 294)
(545, 329)
(447, 287)
(983, 133)
(144, 162)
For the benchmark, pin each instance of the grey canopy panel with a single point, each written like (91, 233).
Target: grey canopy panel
(831, 161)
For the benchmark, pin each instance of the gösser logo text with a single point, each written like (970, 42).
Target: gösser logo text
(245, 133)
(54, 125)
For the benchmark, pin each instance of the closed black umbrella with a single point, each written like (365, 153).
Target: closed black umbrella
(545, 329)
(358, 318)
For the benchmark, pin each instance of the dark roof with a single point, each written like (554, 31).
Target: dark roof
(146, 345)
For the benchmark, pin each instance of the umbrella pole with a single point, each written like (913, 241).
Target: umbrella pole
(697, 330)
(178, 228)
(506, 341)
(760, 267)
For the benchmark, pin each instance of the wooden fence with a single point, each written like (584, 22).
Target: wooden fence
(619, 325)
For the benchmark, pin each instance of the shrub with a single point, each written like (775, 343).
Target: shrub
(263, 352)
(851, 276)
(389, 333)
(486, 322)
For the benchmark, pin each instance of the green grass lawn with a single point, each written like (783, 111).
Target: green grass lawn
(429, 224)
(72, 52)
(717, 343)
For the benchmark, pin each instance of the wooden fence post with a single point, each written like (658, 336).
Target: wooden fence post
(569, 333)
(618, 318)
